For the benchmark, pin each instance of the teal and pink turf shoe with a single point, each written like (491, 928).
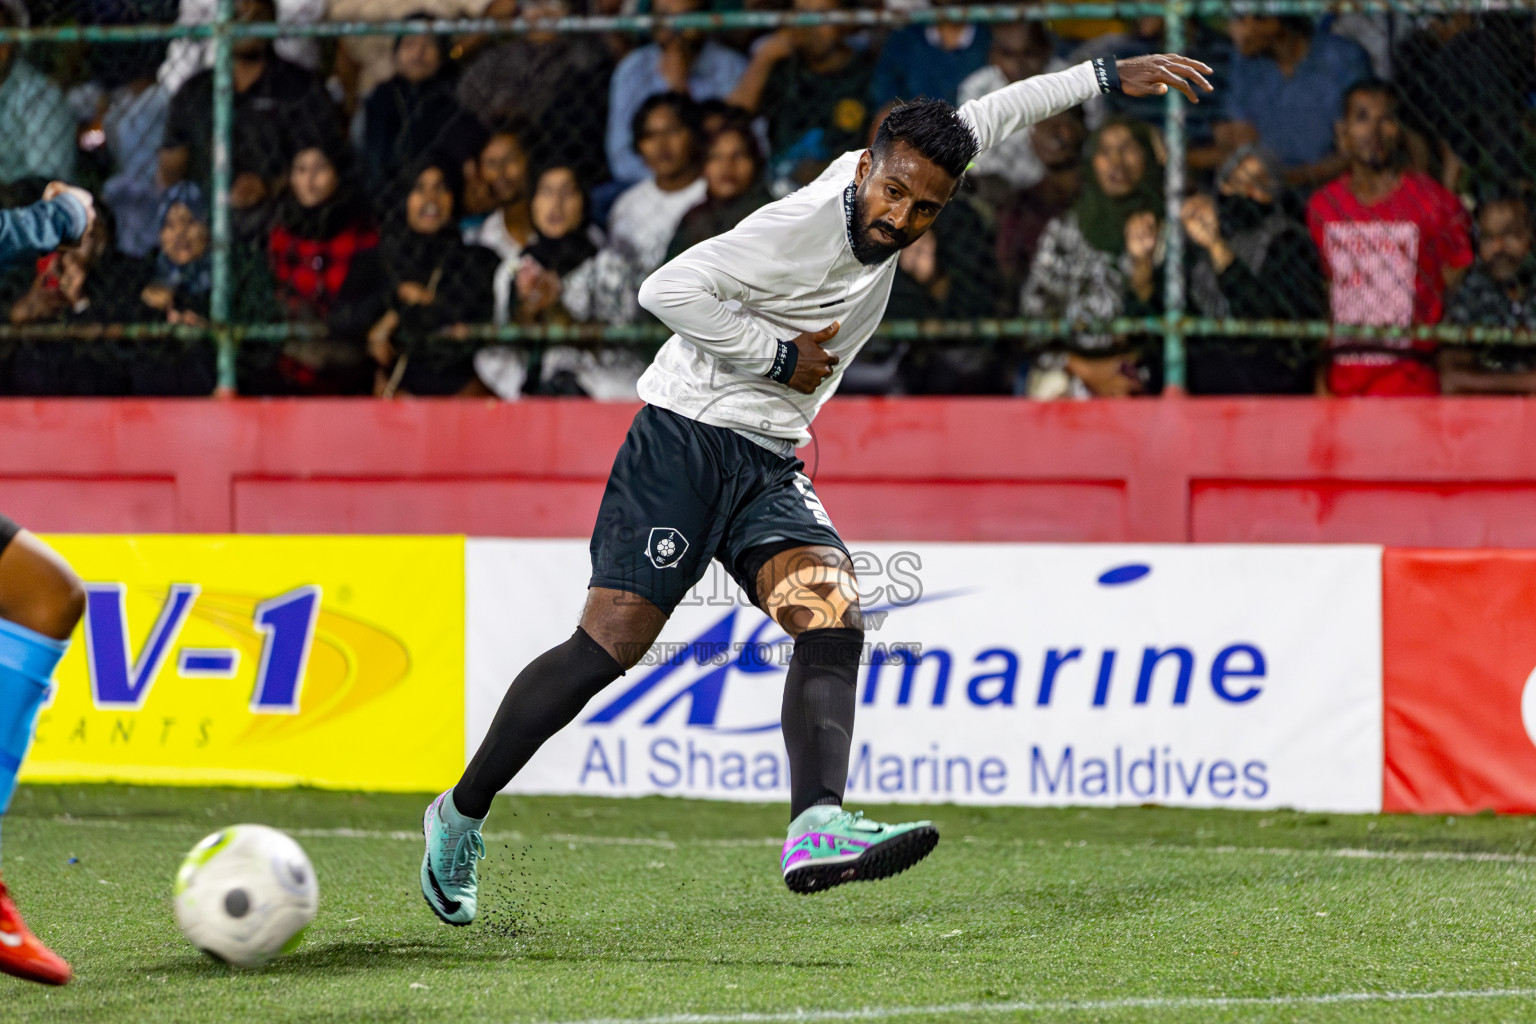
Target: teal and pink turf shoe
(449, 865)
(828, 846)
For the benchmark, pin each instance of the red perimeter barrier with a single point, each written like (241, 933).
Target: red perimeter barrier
(1411, 472)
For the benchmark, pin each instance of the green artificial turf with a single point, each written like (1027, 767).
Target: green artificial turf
(663, 908)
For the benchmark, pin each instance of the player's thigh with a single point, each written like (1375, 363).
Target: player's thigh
(38, 589)
(660, 522)
(809, 587)
(625, 624)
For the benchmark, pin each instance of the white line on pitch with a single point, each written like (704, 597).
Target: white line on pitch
(1347, 852)
(1066, 1006)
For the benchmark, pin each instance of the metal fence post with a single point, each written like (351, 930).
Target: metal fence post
(223, 120)
(1173, 263)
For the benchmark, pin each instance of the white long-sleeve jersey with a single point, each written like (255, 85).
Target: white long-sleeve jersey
(789, 268)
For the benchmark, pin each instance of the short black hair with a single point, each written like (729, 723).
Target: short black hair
(1373, 87)
(682, 105)
(934, 129)
(1301, 24)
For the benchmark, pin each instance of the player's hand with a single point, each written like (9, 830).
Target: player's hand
(815, 363)
(1154, 74)
(64, 188)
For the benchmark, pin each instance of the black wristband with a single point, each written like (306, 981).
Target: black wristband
(1107, 73)
(784, 363)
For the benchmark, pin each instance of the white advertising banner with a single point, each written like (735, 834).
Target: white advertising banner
(1207, 676)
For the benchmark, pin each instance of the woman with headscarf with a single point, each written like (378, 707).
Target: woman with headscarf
(321, 225)
(180, 290)
(415, 111)
(1081, 267)
(399, 297)
(1248, 259)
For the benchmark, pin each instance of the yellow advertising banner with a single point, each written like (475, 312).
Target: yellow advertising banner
(324, 661)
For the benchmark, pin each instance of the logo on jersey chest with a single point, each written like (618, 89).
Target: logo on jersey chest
(666, 547)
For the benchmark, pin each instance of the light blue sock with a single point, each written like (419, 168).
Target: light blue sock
(455, 820)
(27, 661)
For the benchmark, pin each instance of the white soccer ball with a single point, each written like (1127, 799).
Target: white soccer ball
(245, 894)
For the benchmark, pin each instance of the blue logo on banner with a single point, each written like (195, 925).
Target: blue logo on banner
(1122, 574)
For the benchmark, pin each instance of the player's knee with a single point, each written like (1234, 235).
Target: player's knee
(59, 604)
(815, 596)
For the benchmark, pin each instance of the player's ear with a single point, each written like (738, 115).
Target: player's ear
(866, 164)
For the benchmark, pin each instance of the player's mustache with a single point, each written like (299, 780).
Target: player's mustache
(898, 235)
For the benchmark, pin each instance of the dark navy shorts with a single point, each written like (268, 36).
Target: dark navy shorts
(682, 493)
(8, 531)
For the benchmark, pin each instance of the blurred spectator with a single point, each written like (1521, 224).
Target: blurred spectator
(556, 82)
(813, 89)
(1020, 50)
(92, 282)
(1057, 145)
(1081, 265)
(928, 60)
(1499, 291)
(321, 225)
(733, 181)
(646, 216)
(320, 228)
(414, 111)
(365, 62)
(1466, 82)
(1391, 240)
(1284, 85)
(132, 123)
(179, 292)
(34, 119)
(554, 285)
(276, 103)
(945, 275)
(421, 279)
(502, 169)
(186, 57)
(677, 62)
(1248, 259)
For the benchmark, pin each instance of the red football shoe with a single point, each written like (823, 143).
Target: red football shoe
(21, 954)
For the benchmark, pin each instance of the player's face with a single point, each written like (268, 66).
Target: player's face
(557, 203)
(896, 201)
(1503, 239)
(504, 169)
(1119, 161)
(312, 178)
(1370, 133)
(430, 205)
(729, 168)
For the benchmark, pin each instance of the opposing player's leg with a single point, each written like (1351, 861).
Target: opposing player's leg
(658, 526)
(41, 600)
(812, 593)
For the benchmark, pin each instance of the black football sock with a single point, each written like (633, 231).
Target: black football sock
(543, 699)
(818, 715)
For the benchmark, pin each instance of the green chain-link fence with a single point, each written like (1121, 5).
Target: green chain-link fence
(443, 202)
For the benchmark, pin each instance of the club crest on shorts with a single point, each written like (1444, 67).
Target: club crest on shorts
(666, 547)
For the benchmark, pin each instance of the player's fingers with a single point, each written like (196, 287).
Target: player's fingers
(827, 331)
(831, 362)
(1169, 79)
(1186, 68)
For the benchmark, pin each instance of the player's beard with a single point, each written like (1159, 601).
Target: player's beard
(866, 249)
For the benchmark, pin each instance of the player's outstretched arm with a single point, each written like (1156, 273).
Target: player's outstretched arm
(999, 114)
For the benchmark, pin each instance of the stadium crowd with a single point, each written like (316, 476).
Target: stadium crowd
(1368, 170)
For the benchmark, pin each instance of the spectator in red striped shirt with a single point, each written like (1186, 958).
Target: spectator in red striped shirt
(321, 225)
